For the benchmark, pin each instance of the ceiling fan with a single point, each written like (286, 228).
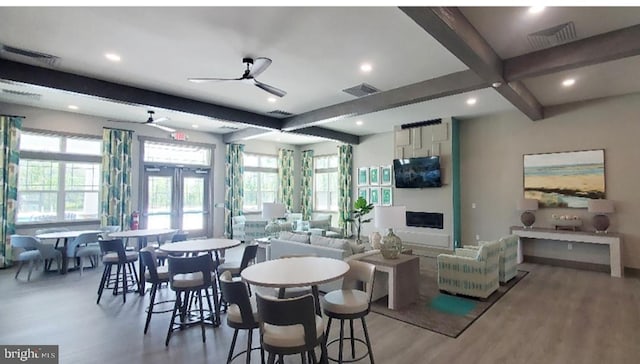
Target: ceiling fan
(153, 122)
(254, 68)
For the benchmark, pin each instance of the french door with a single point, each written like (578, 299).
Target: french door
(178, 198)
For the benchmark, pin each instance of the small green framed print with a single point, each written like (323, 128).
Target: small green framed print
(386, 196)
(363, 176)
(374, 196)
(374, 176)
(364, 193)
(385, 175)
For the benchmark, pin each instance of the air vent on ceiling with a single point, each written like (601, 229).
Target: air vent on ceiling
(360, 90)
(421, 123)
(553, 36)
(226, 129)
(21, 94)
(279, 113)
(47, 59)
(8, 82)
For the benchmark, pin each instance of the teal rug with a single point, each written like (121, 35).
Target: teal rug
(439, 312)
(452, 305)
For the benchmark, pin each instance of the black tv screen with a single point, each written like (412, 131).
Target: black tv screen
(417, 172)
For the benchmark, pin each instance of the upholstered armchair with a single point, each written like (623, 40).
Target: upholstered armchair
(508, 257)
(470, 272)
(248, 230)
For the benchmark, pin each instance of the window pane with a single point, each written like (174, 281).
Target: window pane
(160, 191)
(320, 162)
(267, 161)
(37, 206)
(193, 221)
(38, 175)
(268, 197)
(269, 182)
(80, 205)
(250, 181)
(193, 199)
(322, 182)
(333, 161)
(250, 201)
(84, 146)
(40, 142)
(321, 201)
(82, 176)
(176, 154)
(159, 221)
(251, 160)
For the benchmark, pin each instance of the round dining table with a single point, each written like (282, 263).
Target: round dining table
(65, 236)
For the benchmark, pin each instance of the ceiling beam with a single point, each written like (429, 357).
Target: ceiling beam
(243, 134)
(593, 50)
(452, 29)
(329, 134)
(435, 88)
(25, 73)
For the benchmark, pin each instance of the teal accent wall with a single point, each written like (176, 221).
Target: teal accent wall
(455, 160)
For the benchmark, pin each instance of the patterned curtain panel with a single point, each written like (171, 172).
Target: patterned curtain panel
(345, 170)
(307, 184)
(234, 167)
(10, 126)
(115, 190)
(285, 177)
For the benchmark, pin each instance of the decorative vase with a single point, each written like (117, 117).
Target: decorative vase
(391, 246)
(376, 240)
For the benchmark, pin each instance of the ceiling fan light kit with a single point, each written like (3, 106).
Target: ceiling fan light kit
(254, 67)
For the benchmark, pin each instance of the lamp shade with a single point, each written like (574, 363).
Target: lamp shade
(390, 216)
(600, 206)
(273, 210)
(527, 204)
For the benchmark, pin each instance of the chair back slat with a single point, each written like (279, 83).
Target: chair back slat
(236, 293)
(290, 311)
(198, 264)
(150, 261)
(359, 276)
(249, 254)
(179, 237)
(113, 246)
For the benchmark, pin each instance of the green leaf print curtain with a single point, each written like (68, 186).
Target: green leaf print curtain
(11, 127)
(307, 184)
(285, 177)
(345, 170)
(234, 167)
(115, 189)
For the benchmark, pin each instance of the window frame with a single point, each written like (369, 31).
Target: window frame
(326, 170)
(260, 170)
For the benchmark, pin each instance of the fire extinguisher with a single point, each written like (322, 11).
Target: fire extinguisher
(135, 220)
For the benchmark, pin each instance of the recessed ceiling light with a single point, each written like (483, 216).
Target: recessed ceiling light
(73, 107)
(366, 67)
(471, 101)
(568, 82)
(536, 9)
(195, 126)
(359, 122)
(271, 99)
(112, 57)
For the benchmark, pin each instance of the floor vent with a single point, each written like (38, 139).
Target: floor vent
(281, 113)
(22, 94)
(553, 36)
(360, 90)
(47, 59)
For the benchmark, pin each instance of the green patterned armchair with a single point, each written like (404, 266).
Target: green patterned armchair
(470, 272)
(248, 230)
(508, 257)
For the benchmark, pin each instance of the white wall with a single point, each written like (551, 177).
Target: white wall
(44, 119)
(492, 149)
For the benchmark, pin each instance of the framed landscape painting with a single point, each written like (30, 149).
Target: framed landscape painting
(374, 175)
(385, 175)
(564, 179)
(363, 176)
(374, 196)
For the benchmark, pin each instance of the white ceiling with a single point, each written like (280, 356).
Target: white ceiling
(316, 52)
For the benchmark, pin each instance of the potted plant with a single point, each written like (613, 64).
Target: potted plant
(360, 209)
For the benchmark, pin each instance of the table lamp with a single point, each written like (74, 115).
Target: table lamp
(600, 208)
(389, 217)
(527, 205)
(271, 211)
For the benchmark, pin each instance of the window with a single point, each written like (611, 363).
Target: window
(58, 178)
(325, 184)
(260, 180)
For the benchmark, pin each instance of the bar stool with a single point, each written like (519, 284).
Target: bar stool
(242, 314)
(290, 326)
(351, 303)
(156, 276)
(114, 254)
(189, 276)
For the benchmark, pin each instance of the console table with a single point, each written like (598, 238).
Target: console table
(614, 241)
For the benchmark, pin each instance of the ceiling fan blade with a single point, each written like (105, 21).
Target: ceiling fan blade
(209, 79)
(162, 127)
(259, 65)
(159, 120)
(270, 89)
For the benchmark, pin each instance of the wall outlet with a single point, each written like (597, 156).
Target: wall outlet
(477, 237)
(570, 246)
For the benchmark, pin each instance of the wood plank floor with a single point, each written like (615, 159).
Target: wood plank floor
(554, 315)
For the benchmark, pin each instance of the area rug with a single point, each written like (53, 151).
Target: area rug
(439, 312)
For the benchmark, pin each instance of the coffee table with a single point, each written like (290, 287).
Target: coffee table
(403, 274)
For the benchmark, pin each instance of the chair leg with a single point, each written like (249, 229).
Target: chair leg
(30, 270)
(313, 356)
(353, 341)
(124, 284)
(81, 266)
(271, 359)
(106, 273)
(249, 340)
(204, 338)
(115, 286)
(341, 343)
(19, 268)
(173, 318)
(154, 289)
(366, 336)
(233, 345)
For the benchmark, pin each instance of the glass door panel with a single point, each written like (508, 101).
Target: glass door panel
(160, 201)
(193, 203)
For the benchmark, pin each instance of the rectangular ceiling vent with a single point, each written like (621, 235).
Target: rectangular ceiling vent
(553, 36)
(360, 90)
(280, 113)
(47, 59)
(226, 129)
(22, 94)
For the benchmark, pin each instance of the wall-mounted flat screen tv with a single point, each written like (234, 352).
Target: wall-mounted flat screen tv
(417, 172)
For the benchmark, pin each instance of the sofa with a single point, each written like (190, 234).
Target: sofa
(470, 272)
(289, 243)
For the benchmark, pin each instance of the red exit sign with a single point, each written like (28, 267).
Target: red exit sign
(178, 135)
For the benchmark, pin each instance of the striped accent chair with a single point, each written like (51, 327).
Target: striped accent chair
(470, 272)
(508, 257)
(248, 230)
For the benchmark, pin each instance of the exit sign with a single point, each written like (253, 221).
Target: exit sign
(178, 135)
